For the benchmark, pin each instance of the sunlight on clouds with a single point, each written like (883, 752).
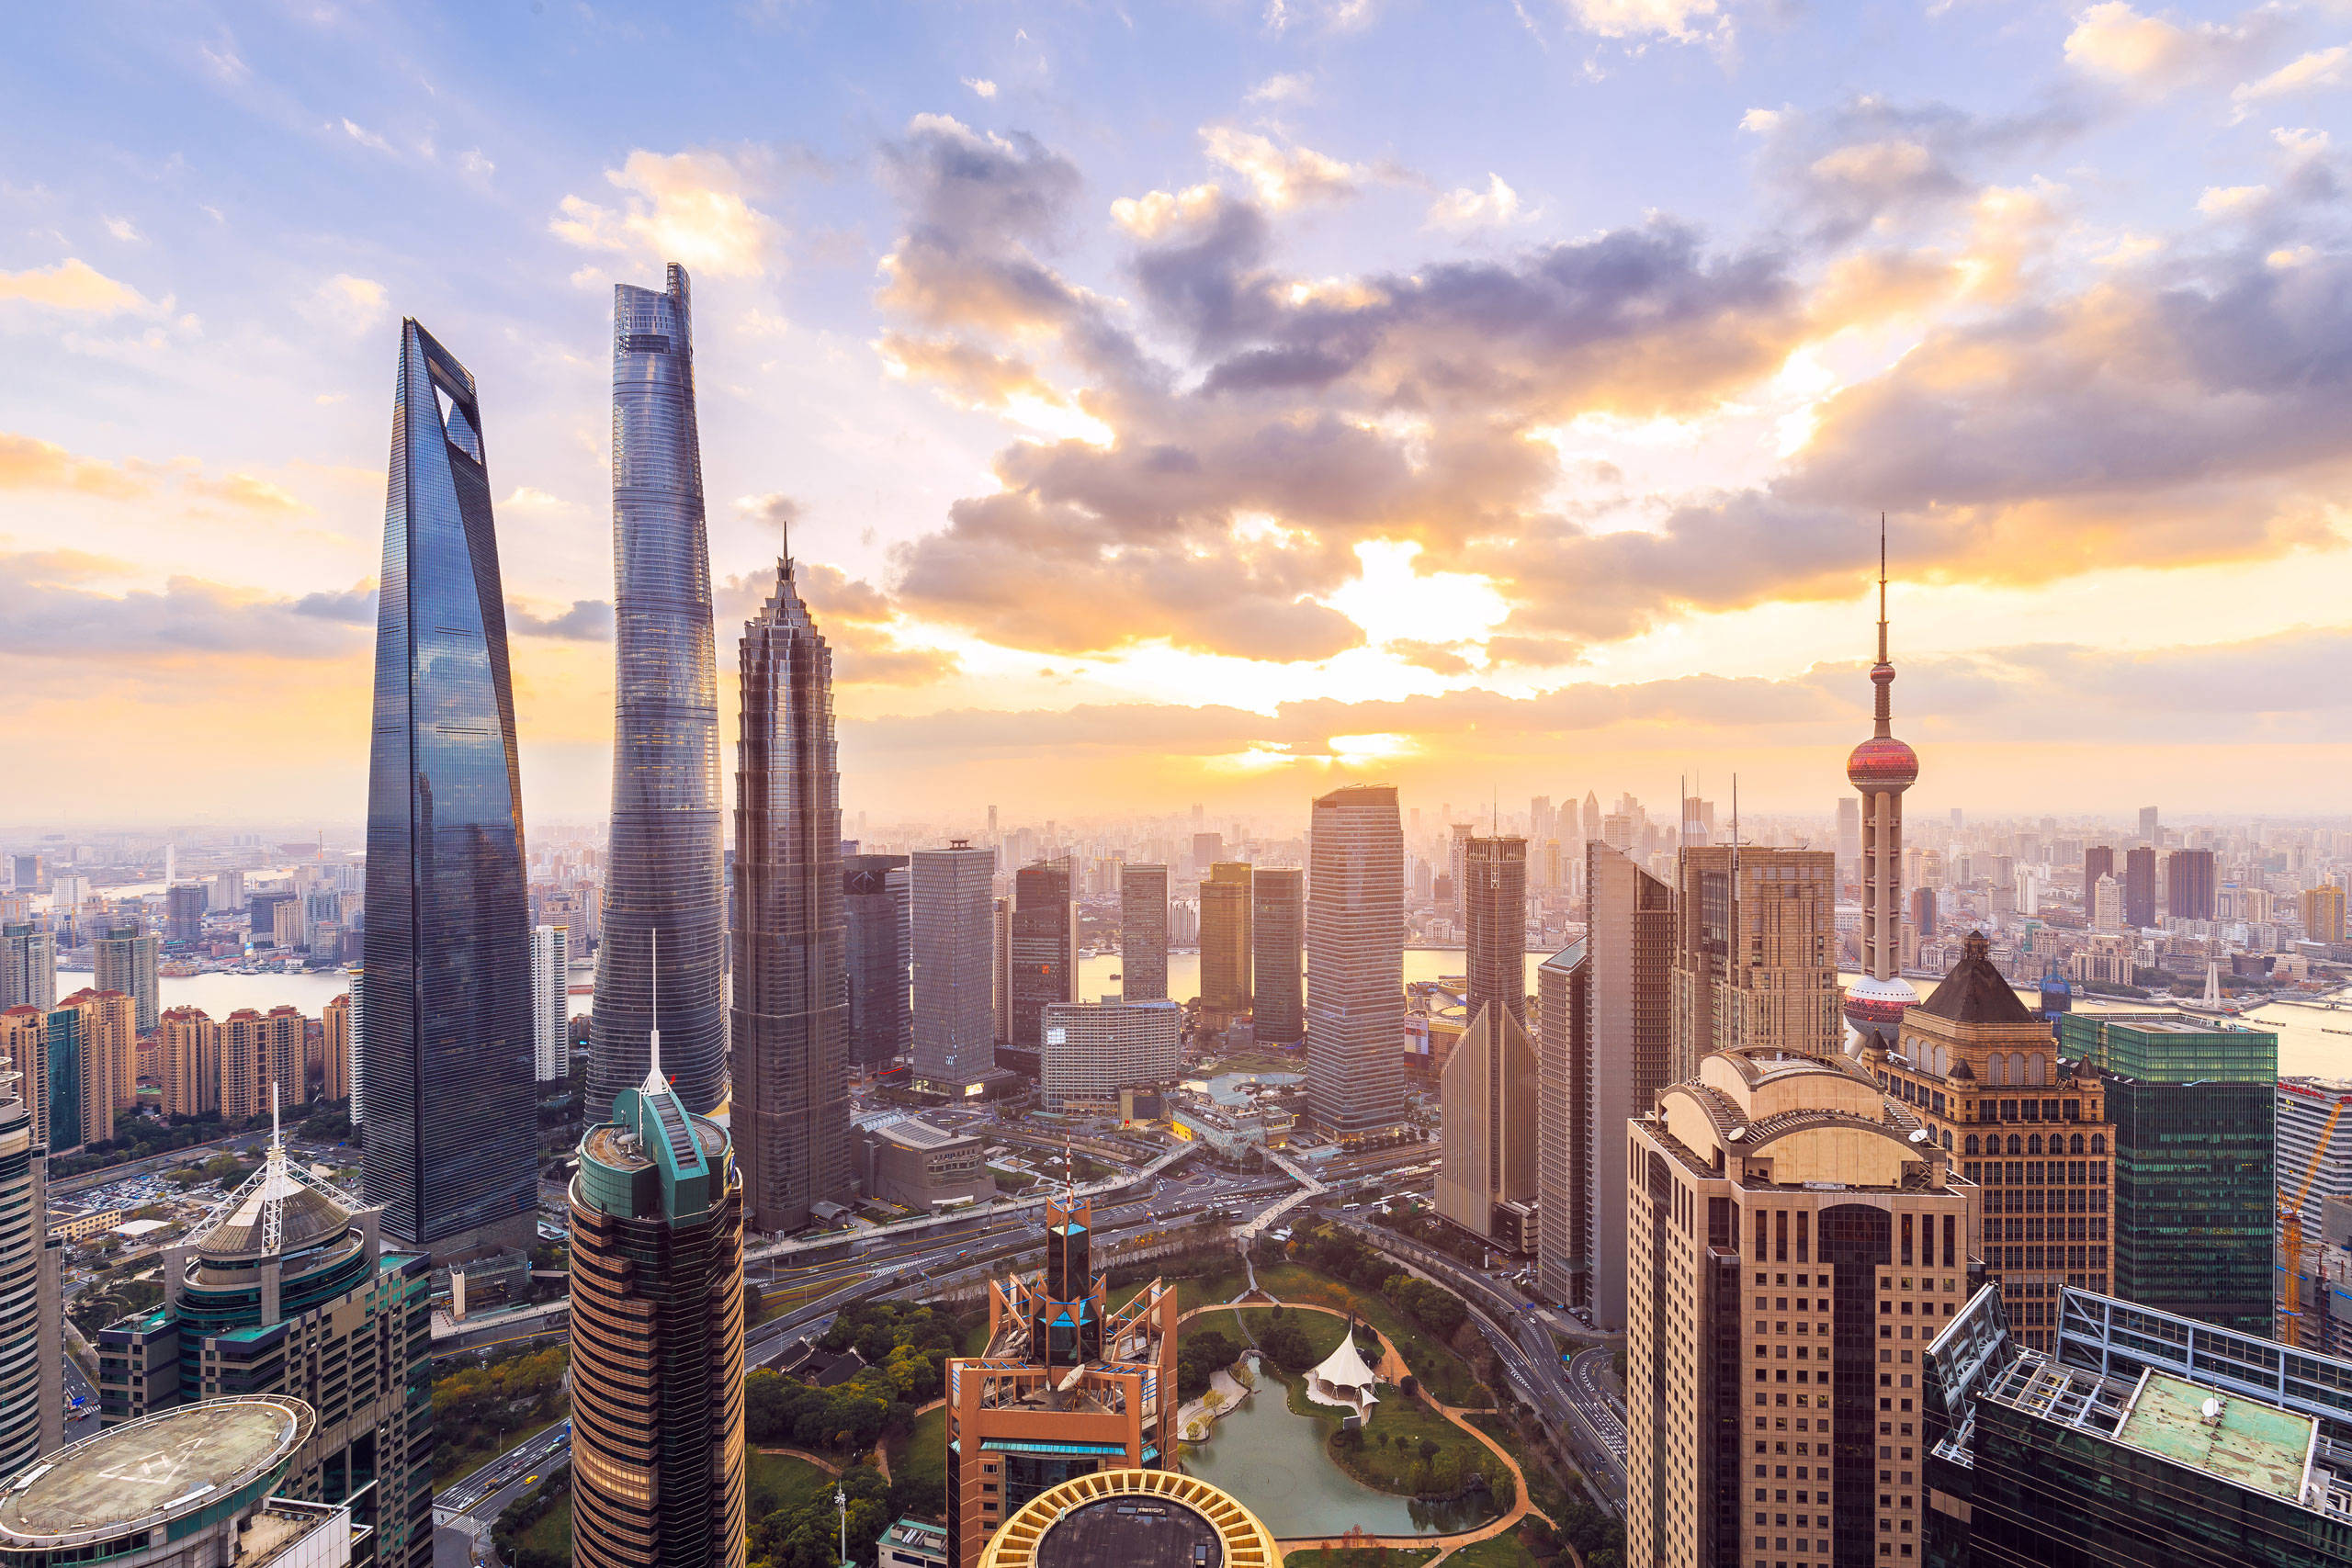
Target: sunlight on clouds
(692, 208)
(2320, 68)
(1375, 748)
(1631, 18)
(1391, 600)
(2228, 201)
(1495, 207)
(1262, 756)
(71, 284)
(1281, 178)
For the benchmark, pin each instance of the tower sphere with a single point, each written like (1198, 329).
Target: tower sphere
(1882, 763)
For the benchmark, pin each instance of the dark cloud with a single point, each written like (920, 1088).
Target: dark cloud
(47, 610)
(1869, 163)
(353, 606)
(588, 620)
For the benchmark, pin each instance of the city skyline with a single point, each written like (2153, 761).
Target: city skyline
(1733, 344)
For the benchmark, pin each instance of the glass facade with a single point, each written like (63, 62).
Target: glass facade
(446, 1041)
(1355, 965)
(789, 1020)
(662, 874)
(877, 907)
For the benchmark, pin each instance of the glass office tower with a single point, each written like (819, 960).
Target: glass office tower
(445, 1041)
(662, 874)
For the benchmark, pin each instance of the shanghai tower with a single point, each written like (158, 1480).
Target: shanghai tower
(445, 1046)
(789, 1023)
(662, 872)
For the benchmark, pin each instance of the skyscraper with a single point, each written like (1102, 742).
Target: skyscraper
(662, 874)
(1041, 946)
(261, 1054)
(445, 1043)
(1756, 956)
(1771, 1175)
(1607, 1049)
(657, 1337)
(877, 891)
(335, 1021)
(1494, 907)
(2322, 910)
(1487, 1096)
(1064, 1387)
(953, 919)
(183, 911)
(1225, 942)
(286, 1289)
(1355, 965)
(2140, 887)
(1088, 1052)
(550, 1002)
(1277, 933)
(2097, 861)
(1143, 932)
(28, 965)
(1881, 768)
(1849, 839)
(188, 1054)
(2150, 833)
(93, 1054)
(789, 1024)
(32, 1412)
(2189, 884)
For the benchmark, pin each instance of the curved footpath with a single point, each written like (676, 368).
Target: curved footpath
(1446, 1545)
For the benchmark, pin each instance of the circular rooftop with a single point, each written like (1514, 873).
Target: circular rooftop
(1133, 1519)
(1882, 763)
(150, 1471)
(306, 1217)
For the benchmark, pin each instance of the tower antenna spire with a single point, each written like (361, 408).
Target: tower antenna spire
(654, 1081)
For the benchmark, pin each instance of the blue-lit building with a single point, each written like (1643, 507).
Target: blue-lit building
(789, 1023)
(662, 874)
(444, 1003)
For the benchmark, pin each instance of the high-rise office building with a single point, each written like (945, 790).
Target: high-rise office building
(1756, 952)
(1605, 1026)
(2322, 910)
(28, 965)
(789, 1023)
(1041, 949)
(2192, 1101)
(1494, 907)
(32, 1357)
(1277, 941)
(1459, 835)
(1088, 1052)
(2097, 861)
(93, 1055)
(657, 1337)
(1066, 1387)
(1355, 965)
(2150, 833)
(260, 1053)
(334, 1077)
(1880, 769)
(445, 1019)
(2140, 887)
(1487, 1097)
(1143, 932)
(27, 873)
(1225, 942)
(1786, 1219)
(2105, 905)
(876, 894)
(662, 874)
(953, 918)
(188, 1054)
(183, 911)
(550, 1002)
(2189, 884)
(2029, 1127)
(286, 1290)
(1208, 849)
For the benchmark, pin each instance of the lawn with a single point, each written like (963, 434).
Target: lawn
(552, 1534)
(778, 1481)
(1190, 1293)
(1505, 1550)
(1322, 1331)
(1448, 1377)
(1362, 1557)
(921, 1452)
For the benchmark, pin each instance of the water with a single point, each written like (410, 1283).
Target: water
(1274, 1462)
(1097, 976)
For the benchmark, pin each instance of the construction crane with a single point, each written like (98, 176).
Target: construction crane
(2291, 1232)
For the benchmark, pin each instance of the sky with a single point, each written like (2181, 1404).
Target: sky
(1213, 401)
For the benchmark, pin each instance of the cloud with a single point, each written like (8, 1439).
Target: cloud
(588, 620)
(978, 209)
(29, 463)
(366, 138)
(694, 207)
(50, 609)
(2114, 43)
(1682, 20)
(981, 86)
(347, 304)
(472, 164)
(1287, 88)
(2320, 68)
(354, 606)
(1495, 207)
(248, 493)
(1280, 177)
(1870, 164)
(123, 229)
(74, 284)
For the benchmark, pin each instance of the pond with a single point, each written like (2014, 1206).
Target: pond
(1274, 1462)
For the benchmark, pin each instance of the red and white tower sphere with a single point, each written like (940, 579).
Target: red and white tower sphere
(1881, 768)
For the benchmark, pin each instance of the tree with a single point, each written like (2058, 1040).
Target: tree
(1286, 1345)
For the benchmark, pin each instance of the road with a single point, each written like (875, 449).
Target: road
(1589, 1380)
(485, 1494)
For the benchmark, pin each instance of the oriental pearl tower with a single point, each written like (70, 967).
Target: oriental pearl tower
(1881, 768)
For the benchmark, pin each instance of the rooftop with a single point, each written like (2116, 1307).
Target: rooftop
(2255, 1445)
(157, 1468)
(1130, 1532)
(1976, 992)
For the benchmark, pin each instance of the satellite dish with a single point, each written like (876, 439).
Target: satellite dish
(1920, 1135)
(2211, 1409)
(1736, 1134)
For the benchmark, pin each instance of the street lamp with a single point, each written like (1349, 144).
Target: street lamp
(840, 1502)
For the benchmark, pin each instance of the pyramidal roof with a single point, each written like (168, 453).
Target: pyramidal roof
(279, 1209)
(1976, 992)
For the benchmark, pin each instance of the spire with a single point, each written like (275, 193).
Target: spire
(654, 1082)
(1883, 673)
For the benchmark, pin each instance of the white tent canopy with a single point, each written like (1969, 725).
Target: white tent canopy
(1343, 1379)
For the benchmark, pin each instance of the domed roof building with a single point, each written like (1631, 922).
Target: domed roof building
(1881, 768)
(285, 1288)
